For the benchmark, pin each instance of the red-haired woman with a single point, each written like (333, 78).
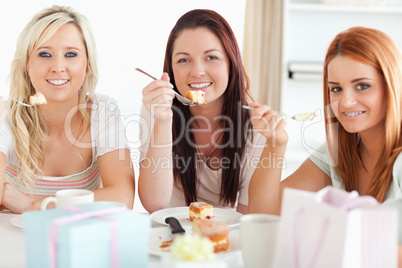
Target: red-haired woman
(362, 93)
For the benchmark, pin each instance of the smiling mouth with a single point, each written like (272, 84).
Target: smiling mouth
(58, 82)
(200, 85)
(353, 114)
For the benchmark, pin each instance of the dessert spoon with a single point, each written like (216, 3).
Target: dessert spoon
(182, 99)
(297, 117)
(20, 102)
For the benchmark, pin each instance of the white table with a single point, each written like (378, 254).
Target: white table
(12, 243)
(12, 247)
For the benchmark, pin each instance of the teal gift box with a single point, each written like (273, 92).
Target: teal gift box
(101, 234)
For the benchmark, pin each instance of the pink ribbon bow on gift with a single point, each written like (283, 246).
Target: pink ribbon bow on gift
(345, 201)
(82, 215)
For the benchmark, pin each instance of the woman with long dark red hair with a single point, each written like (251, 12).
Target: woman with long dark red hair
(204, 152)
(363, 118)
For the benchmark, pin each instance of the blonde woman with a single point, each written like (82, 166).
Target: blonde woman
(77, 139)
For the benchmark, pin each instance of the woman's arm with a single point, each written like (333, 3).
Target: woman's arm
(265, 182)
(10, 197)
(17, 202)
(308, 177)
(266, 188)
(117, 175)
(3, 114)
(2, 176)
(263, 197)
(243, 209)
(117, 178)
(251, 156)
(155, 182)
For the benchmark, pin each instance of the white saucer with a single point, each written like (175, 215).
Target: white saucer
(230, 217)
(17, 221)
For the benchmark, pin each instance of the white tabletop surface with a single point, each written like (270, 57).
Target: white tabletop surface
(12, 248)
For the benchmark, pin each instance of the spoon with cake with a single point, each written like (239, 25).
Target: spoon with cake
(193, 97)
(34, 100)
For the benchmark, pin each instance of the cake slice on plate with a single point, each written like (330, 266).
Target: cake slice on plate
(200, 210)
(217, 232)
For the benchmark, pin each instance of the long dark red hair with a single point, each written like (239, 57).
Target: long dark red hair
(236, 94)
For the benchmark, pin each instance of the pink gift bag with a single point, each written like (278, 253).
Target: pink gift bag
(335, 228)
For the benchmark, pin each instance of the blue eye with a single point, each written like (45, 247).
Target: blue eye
(363, 86)
(44, 54)
(71, 54)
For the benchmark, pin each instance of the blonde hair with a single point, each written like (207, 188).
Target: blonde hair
(28, 126)
(374, 48)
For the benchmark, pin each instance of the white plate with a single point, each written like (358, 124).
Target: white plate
(230, 217)
(161, 234)
(17, 221)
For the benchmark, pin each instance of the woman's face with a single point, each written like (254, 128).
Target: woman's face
(199, 62)
(58, 67)
(357, 95)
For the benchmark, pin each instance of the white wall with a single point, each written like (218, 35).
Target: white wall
(129, 34)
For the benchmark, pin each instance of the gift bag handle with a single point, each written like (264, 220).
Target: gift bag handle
(296, 244)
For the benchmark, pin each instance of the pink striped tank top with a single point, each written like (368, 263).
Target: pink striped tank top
(89, 179)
